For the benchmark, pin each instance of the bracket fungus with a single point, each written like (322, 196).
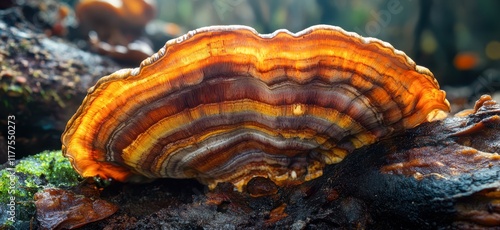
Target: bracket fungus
(226, 104)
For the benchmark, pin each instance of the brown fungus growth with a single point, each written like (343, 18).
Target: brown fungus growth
(459, 188)
(61, 209)
(115, 27)
(226, 104)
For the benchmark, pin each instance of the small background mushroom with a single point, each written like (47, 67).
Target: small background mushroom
(115, 28)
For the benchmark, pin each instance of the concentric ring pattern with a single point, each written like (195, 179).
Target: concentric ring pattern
(226, 104)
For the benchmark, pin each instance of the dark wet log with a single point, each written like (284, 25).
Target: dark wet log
(42, 80)
(444, 174)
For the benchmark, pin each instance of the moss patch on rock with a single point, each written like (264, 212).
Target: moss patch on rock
(29, 175)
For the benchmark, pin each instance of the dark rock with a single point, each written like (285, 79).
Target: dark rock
(42, 81)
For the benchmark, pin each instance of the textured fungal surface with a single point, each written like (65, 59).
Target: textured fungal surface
(61, 209)
(226, 104)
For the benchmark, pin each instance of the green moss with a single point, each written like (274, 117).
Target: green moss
(31, 174)
(6, 177)
(55, 168)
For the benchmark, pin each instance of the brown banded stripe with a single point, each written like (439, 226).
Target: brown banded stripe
(227, 104)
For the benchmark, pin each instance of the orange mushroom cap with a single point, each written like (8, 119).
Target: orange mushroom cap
(123, 13)
(117, 24)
